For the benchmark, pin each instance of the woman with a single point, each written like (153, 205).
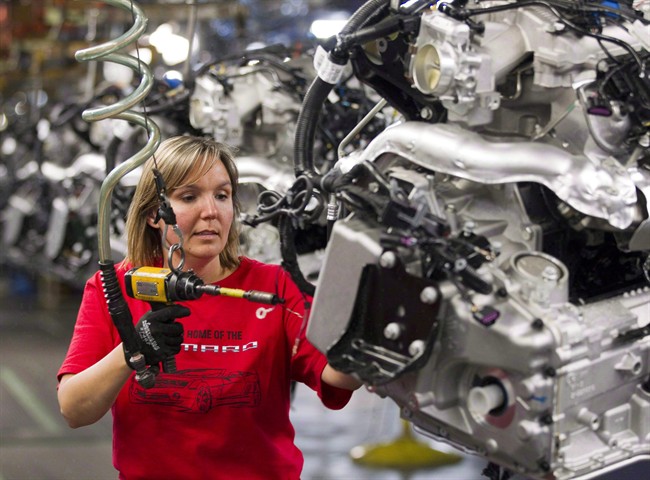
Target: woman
(225, 412)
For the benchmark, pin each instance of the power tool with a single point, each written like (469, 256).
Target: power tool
(163, 286)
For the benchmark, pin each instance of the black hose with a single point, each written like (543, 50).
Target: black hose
(364, 14)
(290, 257)
(305, 133)
(306, 126)
(319, 90)
(123, 321)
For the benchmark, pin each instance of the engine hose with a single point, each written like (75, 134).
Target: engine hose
(320, 89)
(306, 126)
(290, 258)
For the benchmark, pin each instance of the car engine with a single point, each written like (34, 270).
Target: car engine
(487, 263)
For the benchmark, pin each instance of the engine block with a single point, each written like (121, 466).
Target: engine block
(490, 272)
(520, 375)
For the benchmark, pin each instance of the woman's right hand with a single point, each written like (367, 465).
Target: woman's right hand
(160, 335)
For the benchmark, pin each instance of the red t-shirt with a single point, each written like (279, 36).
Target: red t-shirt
(225, 413)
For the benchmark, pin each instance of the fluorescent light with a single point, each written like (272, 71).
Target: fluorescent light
(326, 28)
(173, 48)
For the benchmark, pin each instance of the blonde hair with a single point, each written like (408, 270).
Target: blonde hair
(181, 160)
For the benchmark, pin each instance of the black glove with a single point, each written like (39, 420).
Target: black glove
(160, 335)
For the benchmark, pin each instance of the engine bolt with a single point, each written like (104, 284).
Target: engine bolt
(429, 295)
(468, 227)
(527, 233)
(460, 265)
(393, 330)
(388, 259)
(550, 274)
(416, 348)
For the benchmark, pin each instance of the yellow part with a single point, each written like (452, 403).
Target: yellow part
(231, 292)
(148, 284)
(403, 453)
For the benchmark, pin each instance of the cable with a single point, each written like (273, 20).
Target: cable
(320, 89)
(552, 7)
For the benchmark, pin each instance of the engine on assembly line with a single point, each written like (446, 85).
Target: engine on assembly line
(487, 267)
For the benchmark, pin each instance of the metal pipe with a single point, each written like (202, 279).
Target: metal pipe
(364, 121)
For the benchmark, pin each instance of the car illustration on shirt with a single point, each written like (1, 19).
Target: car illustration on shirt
(199, 390)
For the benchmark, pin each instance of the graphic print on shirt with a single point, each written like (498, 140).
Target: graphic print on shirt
(200, 390)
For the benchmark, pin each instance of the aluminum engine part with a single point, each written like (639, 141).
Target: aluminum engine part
(568, 383)
(491, 273)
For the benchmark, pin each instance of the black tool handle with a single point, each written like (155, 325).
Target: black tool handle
(123, 321)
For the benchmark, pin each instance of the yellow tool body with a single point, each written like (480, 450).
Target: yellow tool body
(148, 283)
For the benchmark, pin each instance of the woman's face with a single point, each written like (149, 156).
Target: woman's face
(204, 213)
